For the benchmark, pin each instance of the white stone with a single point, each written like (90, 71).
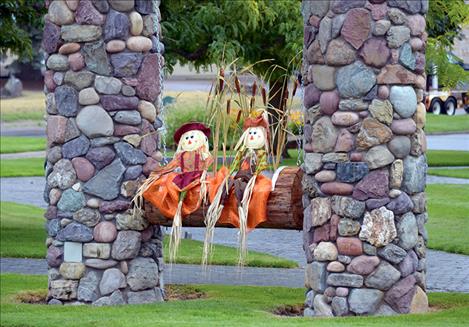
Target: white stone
(73, 252)
(88, 97)
(139, 43)
(325, 251)
(136, 23)
(94, 121)
(147, 110)
(378, 227)
(97, 250)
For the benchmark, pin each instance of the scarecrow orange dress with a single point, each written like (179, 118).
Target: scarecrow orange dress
(257, 206)
(166, 190)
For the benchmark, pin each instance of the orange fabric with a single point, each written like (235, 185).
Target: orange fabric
(164, 195)
(257, 207)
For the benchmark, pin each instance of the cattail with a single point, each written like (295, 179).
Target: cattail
(238, 87)
(238, 118)
(295, 86)
(264, 96)
(253, 100)
(222, 78)
(254, 89)
(228, 106)
(285, 94)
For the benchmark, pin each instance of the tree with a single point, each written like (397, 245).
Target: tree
(445, 20)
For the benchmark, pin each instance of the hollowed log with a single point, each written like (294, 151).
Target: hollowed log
(284, 208)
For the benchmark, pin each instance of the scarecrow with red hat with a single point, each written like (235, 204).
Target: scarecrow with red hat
(241, 200)
(179, 188)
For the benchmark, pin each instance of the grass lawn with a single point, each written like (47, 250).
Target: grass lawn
(442, 158)
(22, 235)
(31, 106)
(457, 173)
(222, 306)
(22, 167)
(12, 144)
(444, 123)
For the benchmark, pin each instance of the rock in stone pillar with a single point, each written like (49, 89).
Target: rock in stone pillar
(102, 88)
(365, 165)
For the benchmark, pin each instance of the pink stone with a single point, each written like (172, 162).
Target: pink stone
(329, 102)
(356, 27)
(375, 52)
(148, 145)
(311, 96)
(147, 234)
(123, 130)
(105, 232)
(314, 21)
(119, 102)
(56, 128)
(416, 23)
(419, 63)
(374, 185)
(86, 13)
(114, 46)
(325, 176)
(345, 118)
(337, 188)
(383, 92)
(403, 126)
(341, 291)
(396, 74)
(85, 169)
(113, 206)
(130, 81)
(49, 80)
(150, 166)
(321, 233)
(349, 246)
(334, 227)
(345, 141)
(148, 86)
(399, 297)
(363, 265)
(54, 256)
(356, 156)
(416, 43)
(69, 48)
(379, 11)
(76, 61)
(335, 266)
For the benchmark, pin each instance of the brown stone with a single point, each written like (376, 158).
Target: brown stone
(314, 54)
(325, 176)
(321, 233)
(84, 169)
(148, 86)
(340, 53)
(114, 46)
(349, 246)
(375, 52)
(419, 303)
(403, 126)
(329, 102)
(335, 266)
(69, 48)
(76, 61)
(56, 128)
(334, 227)
(105, 232)
(383, 92)
(150, 166)
(345, 141)
(420, 115)
(337, 188)
(416, 23)
(372, 133)
(378, 11)
(396, 74)
(345, 118)
(363, 265)
(356, 27)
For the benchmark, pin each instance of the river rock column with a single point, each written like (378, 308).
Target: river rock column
(365, 167)
(102, 91)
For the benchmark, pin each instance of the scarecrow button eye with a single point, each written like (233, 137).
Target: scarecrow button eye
(187, 137)
(192, 136)
(255, 133)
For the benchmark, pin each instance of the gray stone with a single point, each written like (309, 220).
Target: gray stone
(144, 7)
(316, 275)
(415, 172)
(392, 253)
(100, 264)
(107, 85)
(102, 141)
(101, 156)
(401, 204)
(87, 216)
(88, 96)
(310, 298)
(63, 289)
(397, 36)
(76, 147)
(116, 298)
(94, 121)
(348, 227)
(66, 99)
(96, 58)
(347, 207)
(364, 301)
(421, 221)
(63, 175)
(125, 221)
(404, 100)
(409, 265)
(57, 62)
(148, 296)
(129, 155)
(88, 288)
(411, 6)
(71, 201)
(52, 227)
(75, 232)
(355, 80)
(385, 310)
(126, 245)
(312, 162)
(128, 117)
(106, 183)
(399, 146)
(324, 34)
(133, 172)
(71, 130)
(324, 135)
(397, 16)
(342, 6)
(339, 306)
(143, 274)
(112, 280)
(381, 27)
(122, 5)
(337, 23)
(126, 64)
(383, 277)
(80, 33)
(406, 57)
(378, 156)
(345, 280)
(128, 91)
(117, 26)
(353, 105)
(351, 172)
(321, 308)
(79, 79)
(408, 231)
(381, 110)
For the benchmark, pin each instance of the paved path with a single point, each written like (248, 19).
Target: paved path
(23, 155)
(448, 142)
(450, 275)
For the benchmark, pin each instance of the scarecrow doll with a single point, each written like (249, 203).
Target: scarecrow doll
(240, 198)
(179, 188)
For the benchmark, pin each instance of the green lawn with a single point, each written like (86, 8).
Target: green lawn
(457, 173)
(22, 167)
(442, 158)
(448, 223)
(445, 124)
(12, 144)
(30, 106)
(222, 306)
(22, 235)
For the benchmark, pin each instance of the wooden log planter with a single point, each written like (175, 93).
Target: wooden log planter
(284, 208)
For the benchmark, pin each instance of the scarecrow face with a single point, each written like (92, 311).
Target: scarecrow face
(255, 138)
(192, 140)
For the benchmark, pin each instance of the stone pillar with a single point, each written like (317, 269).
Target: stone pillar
(365, 167)
(102, 88)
